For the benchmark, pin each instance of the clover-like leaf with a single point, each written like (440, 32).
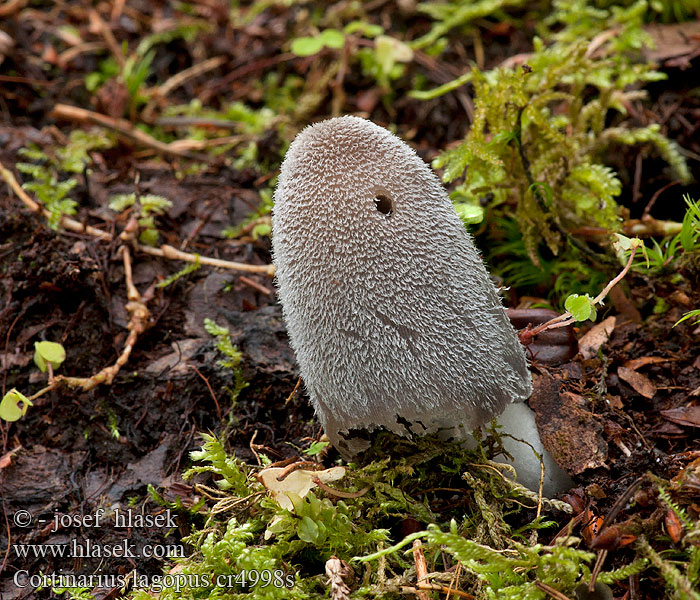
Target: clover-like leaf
(306, 46)
(10, 409)
(48, 352)
(332, 38)
(580, 307)
(469, 213)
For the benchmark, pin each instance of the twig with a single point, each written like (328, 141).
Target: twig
(337, 493)
(296, 387)
(194, 71)
(655, 197)
(454, 582)
(255, 285)
(179, 79)
(302, 464)
(122, 127)
(138, 324)
(173, 253)
(211, 391)
(421, 568)
(600, 559)
(110, 40)
(7, 9)
(429, 587)
(66, 222)
(567, 318)
(165, 251)
(550, 591)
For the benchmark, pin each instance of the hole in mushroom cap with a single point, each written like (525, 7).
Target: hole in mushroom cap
(384, 204)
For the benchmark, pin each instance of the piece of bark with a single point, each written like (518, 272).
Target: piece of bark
(569, 432)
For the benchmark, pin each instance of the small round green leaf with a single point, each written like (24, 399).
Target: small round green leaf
(10, 409)
(579, 307)
(470, 213)
(332, 38)
(306, 46)
(48, 352)
(308, 530)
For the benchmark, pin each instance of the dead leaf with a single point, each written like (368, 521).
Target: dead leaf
(647, 360)
(6, 459)
(640, 383)
(589, 344)
(673, 41)
(299, 482)
(570, 433)
(689, 416)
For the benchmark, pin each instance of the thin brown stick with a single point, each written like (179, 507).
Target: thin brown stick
(429, 587)
(602, 555)
(211, 391)
(66, 222)
(655, 197)
(302, 464)
(185, 75)
(567, 318)
(164, 251)
(550, 591)
(255, 285)
(173, 253)
(138, 324)
(9, 8)
(114, 47)
(338, 493)
(296, 387)
(121, 127)
(455, 581)
(421, 568)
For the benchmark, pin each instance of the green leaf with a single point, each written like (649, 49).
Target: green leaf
(306, 46)
(369, 30)
(121, 202)
(48, 352)
(308, 530)
(260, 230)
(316, 448)
(10, 409)
(469, 213)
(693, 314)
(332, 38)
(580, 307)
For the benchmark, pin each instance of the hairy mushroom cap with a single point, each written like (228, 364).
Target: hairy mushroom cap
(389, 308)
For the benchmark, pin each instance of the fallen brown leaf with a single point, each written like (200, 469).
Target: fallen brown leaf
(646, 360)
(688, 416)
(589, 344)
(640, 383)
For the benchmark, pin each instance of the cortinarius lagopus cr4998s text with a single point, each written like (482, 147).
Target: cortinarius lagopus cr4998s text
(391, 313)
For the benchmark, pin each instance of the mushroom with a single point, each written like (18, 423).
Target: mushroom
(390, 311)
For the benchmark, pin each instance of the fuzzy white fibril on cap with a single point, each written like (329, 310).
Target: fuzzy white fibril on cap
(389, 308)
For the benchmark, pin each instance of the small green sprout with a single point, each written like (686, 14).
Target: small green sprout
(580, 307)
(48, 353)
(308, 46)
(150, 206)
(10, 409)
(693, 314)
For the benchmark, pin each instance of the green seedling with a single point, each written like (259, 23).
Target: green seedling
(48, 355)
(149, 206)
(14, 405)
